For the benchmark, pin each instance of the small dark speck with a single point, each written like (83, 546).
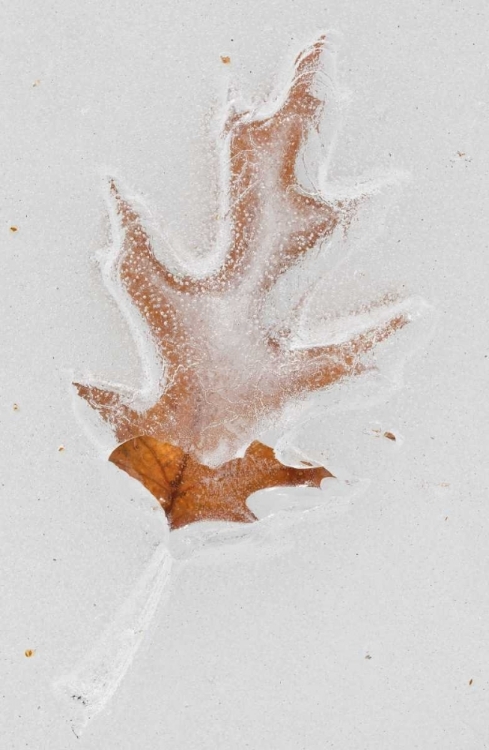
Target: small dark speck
(470, 682)
(368, 656)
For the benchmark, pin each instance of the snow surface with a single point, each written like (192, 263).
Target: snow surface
(359, 624)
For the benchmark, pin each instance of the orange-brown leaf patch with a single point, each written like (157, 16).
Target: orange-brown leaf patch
(189, 491)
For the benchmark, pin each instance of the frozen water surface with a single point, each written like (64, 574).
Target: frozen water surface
(348, 616)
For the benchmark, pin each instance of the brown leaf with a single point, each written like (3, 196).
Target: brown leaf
(189, 491)
(225, 371)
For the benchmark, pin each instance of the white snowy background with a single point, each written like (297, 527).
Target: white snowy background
(361, 625)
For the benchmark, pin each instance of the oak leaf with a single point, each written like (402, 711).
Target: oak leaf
(224, 372)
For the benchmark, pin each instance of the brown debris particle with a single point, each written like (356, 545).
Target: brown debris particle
(390, 436)
(29, 652)
(61, 448)
(14, 229)
(471, 681)
(225, 59)
(36, 83)
(15, 407)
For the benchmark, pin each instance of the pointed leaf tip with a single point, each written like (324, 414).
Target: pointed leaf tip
(113, 188)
